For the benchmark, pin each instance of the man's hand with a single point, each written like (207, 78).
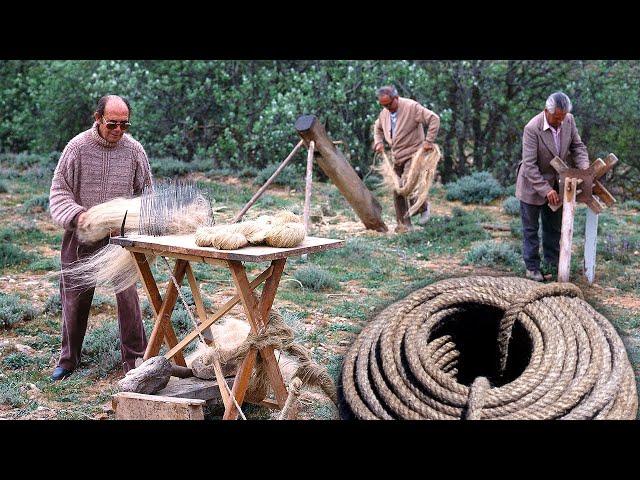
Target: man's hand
(427, 146)
(554, 198)
(81, 218)
(379, 147)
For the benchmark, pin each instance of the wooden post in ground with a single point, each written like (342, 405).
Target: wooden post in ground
(590, 242)
(568, 211)
(308, 184)
(341, 173)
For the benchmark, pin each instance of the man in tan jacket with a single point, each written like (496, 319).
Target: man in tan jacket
(400, 124)
(549, 134)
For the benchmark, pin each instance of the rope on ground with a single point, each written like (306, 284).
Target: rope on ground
(406, 363)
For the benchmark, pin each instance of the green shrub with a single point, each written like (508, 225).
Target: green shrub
(4, 187)
(13, 310)
(39, 203)
(102, 347)
(480, 187)
(630, 205)
(11, 254)
(17, 360)
(50, 264)
(170, 167)
(492, 254)
(53, 305)
(10, 393)
(315, 278)
(510, 190)
(516, 228)
(291, 176)
(511, 206)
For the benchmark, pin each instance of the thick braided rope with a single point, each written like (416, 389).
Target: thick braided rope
(578, 367)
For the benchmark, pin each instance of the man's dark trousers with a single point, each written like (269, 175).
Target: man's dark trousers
(76, 303)
(551, 228)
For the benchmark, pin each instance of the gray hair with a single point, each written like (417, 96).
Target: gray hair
(388, 90)
(558, 100)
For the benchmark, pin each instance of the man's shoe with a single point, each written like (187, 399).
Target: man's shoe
(424, 216)
(535, 275)
(60, 373)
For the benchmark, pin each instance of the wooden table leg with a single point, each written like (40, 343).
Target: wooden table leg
(257, 312)
(163, 308)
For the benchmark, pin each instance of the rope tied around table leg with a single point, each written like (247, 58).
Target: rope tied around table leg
(510, 315)
(279, 336)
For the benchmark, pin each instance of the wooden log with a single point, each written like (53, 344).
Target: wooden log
(138, 406)
(603, 194)
(195, 388)
(150, 377)
(590, 242)
(566, 235)
(308, 185)
(341, 173)
(257, 195)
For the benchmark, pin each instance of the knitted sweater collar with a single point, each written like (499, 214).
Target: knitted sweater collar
(95, 135)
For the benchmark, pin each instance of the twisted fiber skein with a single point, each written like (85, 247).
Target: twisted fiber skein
(281, 337)
(578, 367)
(104, 218)
(418, 178)
(283, 230)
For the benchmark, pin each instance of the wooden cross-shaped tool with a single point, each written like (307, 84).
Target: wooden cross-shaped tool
(583, 186)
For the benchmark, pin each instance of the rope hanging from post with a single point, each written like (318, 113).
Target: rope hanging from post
(437, 354)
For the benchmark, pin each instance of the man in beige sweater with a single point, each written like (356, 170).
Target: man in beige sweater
(400, 124)
(97, 165)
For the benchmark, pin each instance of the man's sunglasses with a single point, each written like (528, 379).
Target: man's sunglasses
(124, 126)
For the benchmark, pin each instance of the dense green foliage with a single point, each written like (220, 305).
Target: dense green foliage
(237, 114)
(479, 187)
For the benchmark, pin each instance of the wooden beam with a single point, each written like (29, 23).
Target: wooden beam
(602, 193)
(308, 185)
(163, 320)
(606, 165)
(138, 406)
(257, 195)
(566, 235)
(151, 288)
(341, 173)
(590, 243)
(214, 317)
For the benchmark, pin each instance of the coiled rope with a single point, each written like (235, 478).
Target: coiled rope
(490, 348)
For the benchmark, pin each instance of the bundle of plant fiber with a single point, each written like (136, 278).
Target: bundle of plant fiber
(417, 180)
(166, 209)
(284, 230)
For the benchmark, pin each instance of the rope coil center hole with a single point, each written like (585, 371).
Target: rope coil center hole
(474, 331)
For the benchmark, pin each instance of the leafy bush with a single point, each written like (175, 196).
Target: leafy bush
(11, 254)
(511, 206)
(39, 203)
(510, 190)
(480, 187)
(492, 254)
(53, 305)
(291, 176)
(102, 347)
(10, 393)
(4, 187)
(630, 205)
(45, 264)
(315, 278)
(170, 167)
(17, 360)
(13, 310)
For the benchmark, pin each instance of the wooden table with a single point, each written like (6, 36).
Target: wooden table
(184, 249)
